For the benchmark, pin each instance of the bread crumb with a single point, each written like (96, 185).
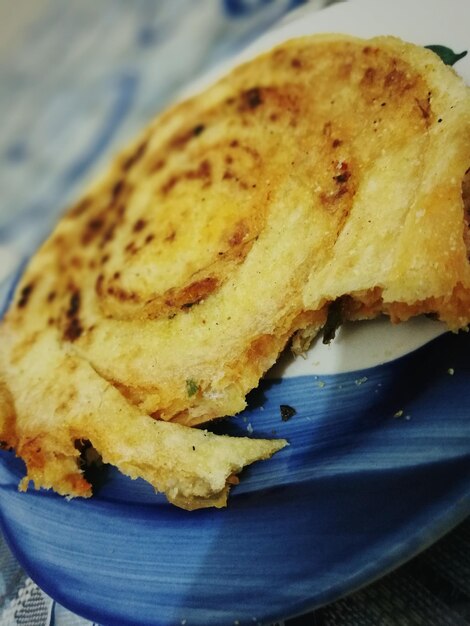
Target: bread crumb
(360, 381)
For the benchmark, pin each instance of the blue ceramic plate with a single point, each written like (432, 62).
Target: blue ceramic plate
(378, 465)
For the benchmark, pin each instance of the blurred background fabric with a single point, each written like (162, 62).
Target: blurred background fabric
(77, 79)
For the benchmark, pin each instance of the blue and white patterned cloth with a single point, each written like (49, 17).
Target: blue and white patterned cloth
(77, 79)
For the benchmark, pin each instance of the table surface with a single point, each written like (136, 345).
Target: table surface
(65, 67)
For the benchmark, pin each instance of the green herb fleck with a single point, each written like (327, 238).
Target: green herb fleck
(448, 56)
(191, 387)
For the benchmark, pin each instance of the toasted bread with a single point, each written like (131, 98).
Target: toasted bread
(327, 170)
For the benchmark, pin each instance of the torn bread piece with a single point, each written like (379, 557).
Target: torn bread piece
(61, 401)
(328, 169)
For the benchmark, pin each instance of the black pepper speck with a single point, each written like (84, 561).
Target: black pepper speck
(287, 412)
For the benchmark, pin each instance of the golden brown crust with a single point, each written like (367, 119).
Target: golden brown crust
(8, 438)
(329, 168)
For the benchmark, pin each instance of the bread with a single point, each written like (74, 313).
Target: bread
(325, 174)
